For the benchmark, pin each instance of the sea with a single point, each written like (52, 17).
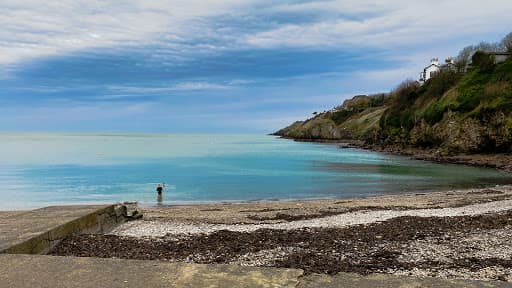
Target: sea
(42, 169)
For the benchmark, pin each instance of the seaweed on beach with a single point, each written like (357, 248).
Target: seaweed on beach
(362, 249)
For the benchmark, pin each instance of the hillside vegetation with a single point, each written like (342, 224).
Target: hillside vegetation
(357, 118)
(463, 112)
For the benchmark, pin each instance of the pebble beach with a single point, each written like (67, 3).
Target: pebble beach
(453, 234)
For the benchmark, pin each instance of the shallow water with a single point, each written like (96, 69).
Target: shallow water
(39, 169)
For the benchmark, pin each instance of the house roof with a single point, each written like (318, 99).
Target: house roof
(438, 66)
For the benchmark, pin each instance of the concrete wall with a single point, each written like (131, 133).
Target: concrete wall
(101, 220)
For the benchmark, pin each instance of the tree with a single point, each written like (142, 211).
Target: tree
(482, 60)
(487, 47)
(405, 92)
(462, 60)
(506, 43)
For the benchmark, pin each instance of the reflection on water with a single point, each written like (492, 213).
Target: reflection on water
(399, 174)
(45, 169)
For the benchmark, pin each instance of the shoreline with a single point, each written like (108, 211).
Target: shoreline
(452, 234)
(236, 212)
(499, 161)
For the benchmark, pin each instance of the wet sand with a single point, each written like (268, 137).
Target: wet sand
(456, 234)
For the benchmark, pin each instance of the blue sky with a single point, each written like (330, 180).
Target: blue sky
(217, 66)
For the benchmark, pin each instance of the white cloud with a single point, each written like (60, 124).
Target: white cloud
(398, 23)
(134, 91)
(199, 86)
(33, 28)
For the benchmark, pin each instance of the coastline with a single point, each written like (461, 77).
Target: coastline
(267, 211)
(452, 234)
(501, 162)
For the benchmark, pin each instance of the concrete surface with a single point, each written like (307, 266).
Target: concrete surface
(53, 271)
(4, 214)
(33, 232)
(388, 281)
(36, 231)
(18, 271)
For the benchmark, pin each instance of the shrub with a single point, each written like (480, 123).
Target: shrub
(483, 61)
(377, 100)
(407, 120)
(341, 116)
(469, 99)
(439, 84)
(497, 90)
(503, 71)
(471, 90)
(404, 93)
(434, 113)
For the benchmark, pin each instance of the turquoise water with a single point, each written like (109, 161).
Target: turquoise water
(46, 169)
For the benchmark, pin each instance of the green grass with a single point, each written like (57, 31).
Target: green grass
(479, 94)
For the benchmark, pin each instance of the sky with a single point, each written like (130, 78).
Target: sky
(217, 66)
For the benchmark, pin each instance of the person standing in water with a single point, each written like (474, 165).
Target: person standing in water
(159, 192)
(160, 189)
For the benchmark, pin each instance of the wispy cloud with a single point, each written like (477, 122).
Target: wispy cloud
(182, 86)
(384, 23)
(38, 28)
(199, 86)
(44, 28)
(163, 64)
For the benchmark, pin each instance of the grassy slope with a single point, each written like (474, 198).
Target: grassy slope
(463, 113)
(469, 112)
(351, 122)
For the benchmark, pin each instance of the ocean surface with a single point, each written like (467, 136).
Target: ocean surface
(38, 169)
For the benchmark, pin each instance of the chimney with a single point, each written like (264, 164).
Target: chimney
(449, 60)
(434, 61)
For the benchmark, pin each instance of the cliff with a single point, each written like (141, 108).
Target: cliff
(357, 118)
(453, 112)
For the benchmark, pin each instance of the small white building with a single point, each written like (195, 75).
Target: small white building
(430, 70)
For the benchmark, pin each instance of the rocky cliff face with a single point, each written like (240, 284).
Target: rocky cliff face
(465, 135)
(313, 129)
(355, 119)
(452, 112)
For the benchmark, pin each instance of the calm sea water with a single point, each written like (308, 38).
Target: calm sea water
(46, 169)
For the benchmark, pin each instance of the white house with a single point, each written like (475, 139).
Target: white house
(449, 64)
(430, 70)
(435, 67)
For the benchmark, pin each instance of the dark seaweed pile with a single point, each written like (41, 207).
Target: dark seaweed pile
(361, 249)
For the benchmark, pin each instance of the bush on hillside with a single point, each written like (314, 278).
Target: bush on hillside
(503, 72)
(434, 113)
(399, 118)
(378, 100)
(341, 116)
(439, 84)
(482, 61)
(405, 93)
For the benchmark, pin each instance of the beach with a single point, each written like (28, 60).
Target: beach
(452, 234)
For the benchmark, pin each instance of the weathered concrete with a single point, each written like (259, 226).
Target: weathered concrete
(48, 271)
(37, 231)
(390, 281)
(53, 271)
(4, 214)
